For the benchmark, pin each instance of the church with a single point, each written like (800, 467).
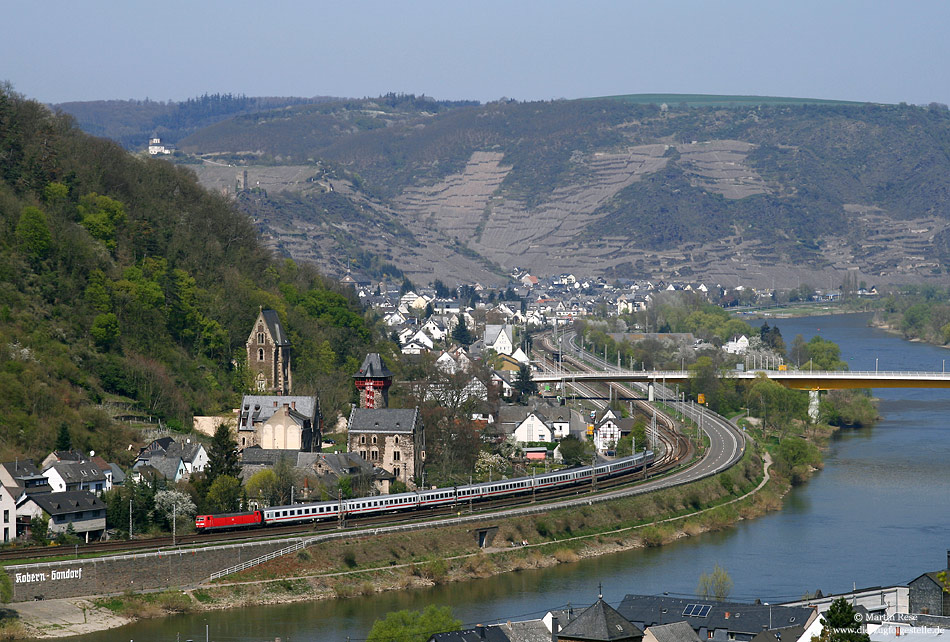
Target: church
(274, 418)
(268, 355)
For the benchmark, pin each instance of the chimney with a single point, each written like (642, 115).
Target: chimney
(555, 627)
(727, 615)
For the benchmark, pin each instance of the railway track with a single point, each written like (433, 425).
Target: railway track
(676, 449)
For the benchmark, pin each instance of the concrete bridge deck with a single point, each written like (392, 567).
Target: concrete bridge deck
(797, 379)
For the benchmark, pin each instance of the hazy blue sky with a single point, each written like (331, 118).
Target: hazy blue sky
(855, 50)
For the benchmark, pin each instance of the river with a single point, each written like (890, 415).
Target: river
(878, 514)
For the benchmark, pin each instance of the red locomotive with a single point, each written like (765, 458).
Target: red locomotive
(228, 520)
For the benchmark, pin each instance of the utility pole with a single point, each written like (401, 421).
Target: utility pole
(130, 518)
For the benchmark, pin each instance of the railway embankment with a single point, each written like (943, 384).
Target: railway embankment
(454, 552)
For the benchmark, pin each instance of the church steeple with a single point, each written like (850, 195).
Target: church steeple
(268, 354)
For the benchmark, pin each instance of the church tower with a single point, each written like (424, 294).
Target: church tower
(268, 355)
(373, 381)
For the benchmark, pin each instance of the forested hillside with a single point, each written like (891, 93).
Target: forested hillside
(131, 122)
(618, 186)
(126, 289)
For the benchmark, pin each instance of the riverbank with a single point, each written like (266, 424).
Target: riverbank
(451, 554)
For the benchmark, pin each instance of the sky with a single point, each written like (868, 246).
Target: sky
(877, 51)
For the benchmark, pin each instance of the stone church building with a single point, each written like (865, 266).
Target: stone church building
(268, 355)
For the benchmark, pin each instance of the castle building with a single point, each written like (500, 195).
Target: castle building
(389, 439)
(268, 355)
(373, 381)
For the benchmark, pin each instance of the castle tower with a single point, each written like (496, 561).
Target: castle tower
(268, 355)
(373, 381)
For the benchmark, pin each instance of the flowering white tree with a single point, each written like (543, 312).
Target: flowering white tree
(174, 503)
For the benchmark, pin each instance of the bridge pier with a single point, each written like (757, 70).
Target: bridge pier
(813, 405)
(650, 391)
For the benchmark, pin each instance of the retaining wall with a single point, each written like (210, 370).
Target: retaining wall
(133, 572)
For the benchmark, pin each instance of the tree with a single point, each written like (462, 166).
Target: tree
(461, 334)
(222, 455)
(839, 624)
(105, 330)
(32, 233)
(224, 494)
(413, 626)
(716, 585)
(63, 440)
(39, 528)
(523, 384)
(174, 504)
(261, 486)
(574, 451)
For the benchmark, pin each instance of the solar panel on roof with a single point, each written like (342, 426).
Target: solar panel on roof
(703, 610)
(689, 609)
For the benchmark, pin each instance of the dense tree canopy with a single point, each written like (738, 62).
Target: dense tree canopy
(123, 281)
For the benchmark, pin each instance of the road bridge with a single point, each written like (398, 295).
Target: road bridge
(812, 381)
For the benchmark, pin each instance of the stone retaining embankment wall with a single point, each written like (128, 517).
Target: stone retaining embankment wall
(138, 572)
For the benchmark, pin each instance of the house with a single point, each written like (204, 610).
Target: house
(926, 593)
(738, 345)
(503, 381)
(157, 147)
(675, 632)
(714, 620)
(599, 622)
(499, 338)
(171, 468)
(480, 633)
(192, 454)
(23, 477)
(8, 512)
(391, 439)
(534, 427)
(67, 476)
(80, 509)
(435, 329)
(289, 422)
(607, 431)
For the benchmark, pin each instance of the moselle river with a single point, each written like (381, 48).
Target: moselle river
(878, 514)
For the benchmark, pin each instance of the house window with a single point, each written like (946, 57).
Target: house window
(397, 439)
(260, 354)
(374, 439)
(375, 455)
(396, 455)
(362, 439)
(260, 337)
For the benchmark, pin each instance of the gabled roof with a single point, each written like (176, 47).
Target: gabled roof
(649, 610)
(379, 420)
(600, 622)
(479, 634)
(373, 368)
(259, 408)
(69, 502)
(678, 632)
(276, 329)
(74, 472)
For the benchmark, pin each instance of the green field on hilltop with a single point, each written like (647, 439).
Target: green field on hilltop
(713, 100)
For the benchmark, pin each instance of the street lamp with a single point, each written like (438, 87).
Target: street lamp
(770, 615)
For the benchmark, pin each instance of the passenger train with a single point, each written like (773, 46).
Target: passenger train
(319, 511)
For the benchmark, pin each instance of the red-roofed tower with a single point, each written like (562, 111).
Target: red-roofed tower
(373, 381)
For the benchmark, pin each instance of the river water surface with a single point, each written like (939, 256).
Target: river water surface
(878, 514)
